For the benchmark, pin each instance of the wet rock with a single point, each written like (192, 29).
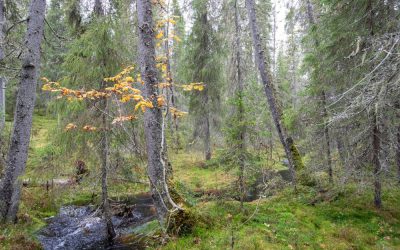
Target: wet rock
(82, 227)
(73, 228)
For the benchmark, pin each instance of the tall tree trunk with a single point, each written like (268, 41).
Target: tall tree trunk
(105, 144)
(2, 78)
(205, 97)
(18, 153)
(311, 20)
(105, 166)
(240, 111)
(376, 133)
(265, 74)
(153, 116)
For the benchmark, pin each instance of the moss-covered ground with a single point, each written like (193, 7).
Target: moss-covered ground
(287, 220)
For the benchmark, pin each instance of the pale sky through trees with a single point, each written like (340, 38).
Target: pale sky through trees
(280, 8)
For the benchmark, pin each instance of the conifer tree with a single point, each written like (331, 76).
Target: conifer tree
(203, 65)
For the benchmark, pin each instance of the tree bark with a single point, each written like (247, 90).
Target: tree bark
(207, 136)
(341, 151)
(205, 97)
(376, 133)
(286, 141)
(105, 166)
(16, 160)
(2, 78)
(375, 160)
(240, 111)
(105, 144)
(153, 116)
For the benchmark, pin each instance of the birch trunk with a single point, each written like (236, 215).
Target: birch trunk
(153, 116)
(265, 74)
(16, 160)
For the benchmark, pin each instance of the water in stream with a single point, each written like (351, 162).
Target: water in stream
(81, 227)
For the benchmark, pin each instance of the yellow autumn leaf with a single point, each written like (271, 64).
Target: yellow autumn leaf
(160, 35)
(136, 91)
(160, 101)
(125, 98)
(123, 119)
(143, 105)
(89, 128)
(137, 97)
(164, 67)
(46, 87)
(70, 126)
(198, 87)
(129, 79)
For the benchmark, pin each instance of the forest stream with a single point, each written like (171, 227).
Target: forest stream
(82, 227)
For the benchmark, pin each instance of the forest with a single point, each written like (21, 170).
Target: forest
(199, 124)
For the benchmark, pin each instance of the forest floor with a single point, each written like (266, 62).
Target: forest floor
(306, 219)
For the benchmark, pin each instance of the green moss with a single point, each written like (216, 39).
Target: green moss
(287, 221)
(297, 160)
(182, 222)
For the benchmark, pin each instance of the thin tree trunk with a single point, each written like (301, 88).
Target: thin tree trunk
(175, 119)
(240, 111)
(274, 41)
(286, 141)
(375, 160)
(174, 129)
(311, 20)
(398, 154)
(341, 151)
(153, 116)
(2, 79)
(205, 97)
(376, 141)
(327, 137)
(105, 166)
(207, 136)
(18, 153)
(105, 145)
